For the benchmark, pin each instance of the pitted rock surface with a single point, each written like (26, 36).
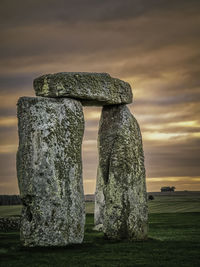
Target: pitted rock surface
(121, 202)
(90, 88)
(49, 169)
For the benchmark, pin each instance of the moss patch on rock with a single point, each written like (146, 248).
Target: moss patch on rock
(49, 169)
(90, 88)
(121, 202)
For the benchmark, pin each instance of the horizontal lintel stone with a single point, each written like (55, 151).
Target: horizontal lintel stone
(92, 89)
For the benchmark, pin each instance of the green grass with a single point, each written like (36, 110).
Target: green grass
(7, 211)
(169, 203)
(175, 203)
(173, 241)
(89, 207)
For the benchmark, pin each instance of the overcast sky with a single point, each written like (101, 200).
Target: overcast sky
(154, 45)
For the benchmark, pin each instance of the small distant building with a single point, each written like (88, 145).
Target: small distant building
(167, 189)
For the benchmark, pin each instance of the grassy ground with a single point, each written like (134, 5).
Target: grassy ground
(7, 211)
(174, 240)
(175, 202)
(162, 203)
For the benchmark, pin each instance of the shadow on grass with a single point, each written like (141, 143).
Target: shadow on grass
(167, 245)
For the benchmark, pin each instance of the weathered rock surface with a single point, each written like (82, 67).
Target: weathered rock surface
(49, 171)
(99, 194)
(90, 88)
(121, 202)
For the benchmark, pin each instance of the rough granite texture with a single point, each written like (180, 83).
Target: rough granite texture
(121, 201)
(90, 88)
(49, 170)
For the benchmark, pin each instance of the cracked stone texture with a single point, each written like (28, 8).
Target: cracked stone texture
(49, 170)
(90, 88)
(120, 199)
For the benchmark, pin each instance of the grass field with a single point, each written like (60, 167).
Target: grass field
(162, 203)
(174, 240)
(175, 202)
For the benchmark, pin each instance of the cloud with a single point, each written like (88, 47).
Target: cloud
(35, 11)
(8, 121)
(154, 45)
(7, 149)
(172, 158)
(137, 39)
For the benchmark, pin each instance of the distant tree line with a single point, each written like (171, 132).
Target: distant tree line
(10, 200)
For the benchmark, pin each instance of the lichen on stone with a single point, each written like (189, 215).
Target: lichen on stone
(49, 168)
(90, 88)
(121, 203)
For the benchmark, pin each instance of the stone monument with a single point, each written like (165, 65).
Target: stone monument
(49, 164)
(120, 207)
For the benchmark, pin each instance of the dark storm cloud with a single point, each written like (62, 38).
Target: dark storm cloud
(125, 29)
(8, 133)
(171, 59)
(7, 172)
(172, 100)
(13, 82)
(10, 111)
(35, 11)
(175, 158)
(8, 179)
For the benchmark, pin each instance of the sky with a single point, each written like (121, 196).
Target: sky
(154, 45)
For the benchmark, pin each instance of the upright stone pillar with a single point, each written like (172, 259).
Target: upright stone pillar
(121, 203)
(49, 171)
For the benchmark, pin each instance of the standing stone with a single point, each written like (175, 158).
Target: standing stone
(99, 198)
(49, 170)
(121, 203)
(90, 88)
